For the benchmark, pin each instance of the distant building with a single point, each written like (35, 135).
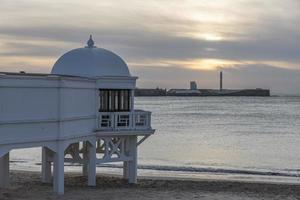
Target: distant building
(183, 92)
(194, 91)
(193, 85)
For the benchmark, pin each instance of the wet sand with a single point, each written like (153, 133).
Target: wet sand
(27, 185)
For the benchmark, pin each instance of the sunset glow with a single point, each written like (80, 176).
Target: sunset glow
(190, 34)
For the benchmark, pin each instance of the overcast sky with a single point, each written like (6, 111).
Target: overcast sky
(166, 43)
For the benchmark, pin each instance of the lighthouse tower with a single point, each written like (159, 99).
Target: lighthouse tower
(221, 80)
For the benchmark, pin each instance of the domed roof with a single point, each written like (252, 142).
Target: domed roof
(91, 62)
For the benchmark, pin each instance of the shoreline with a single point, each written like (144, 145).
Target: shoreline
(213, 174)
(27, 185)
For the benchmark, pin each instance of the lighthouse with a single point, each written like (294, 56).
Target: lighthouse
(221, 80)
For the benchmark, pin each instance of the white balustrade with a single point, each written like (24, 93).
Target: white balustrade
(136, 120)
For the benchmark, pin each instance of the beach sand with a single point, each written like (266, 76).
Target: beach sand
(27, 185)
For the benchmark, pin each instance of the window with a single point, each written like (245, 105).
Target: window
(114, 100)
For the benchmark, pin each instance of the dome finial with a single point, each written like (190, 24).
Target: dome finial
(90, 43)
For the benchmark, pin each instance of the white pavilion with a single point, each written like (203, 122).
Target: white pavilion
(83, 112)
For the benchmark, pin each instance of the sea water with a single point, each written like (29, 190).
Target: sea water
(211, 135)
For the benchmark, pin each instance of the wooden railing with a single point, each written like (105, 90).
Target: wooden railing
(136, 120)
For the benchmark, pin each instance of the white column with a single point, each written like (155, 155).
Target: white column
(58, 170)
(126, 170)
(126, 163)
(46, 165)
(133, 163)
(132, 99)
(85, 158)
(4, 171)
(132, 117)
(91, 148)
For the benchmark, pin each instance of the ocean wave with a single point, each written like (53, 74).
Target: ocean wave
(212, 170)
(287, 173)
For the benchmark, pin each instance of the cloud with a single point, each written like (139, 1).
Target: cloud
(137, 44)
(33, 34)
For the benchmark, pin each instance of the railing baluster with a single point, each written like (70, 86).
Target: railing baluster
(137, 119)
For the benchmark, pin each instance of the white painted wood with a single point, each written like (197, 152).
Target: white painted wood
(4, 171)
(126, 163)
(84, 157)
(116, 82)
(125, 170)
(90, 61)
(132, 100)
(32, 107)
(53, 111)
(46, 165)
(133, 120)
(142, 140)
(133, 163)
(44, 81)
(58, 170)
(91, 163)
(129, 132)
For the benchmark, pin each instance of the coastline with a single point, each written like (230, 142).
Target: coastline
(168, 172)
(27, 185)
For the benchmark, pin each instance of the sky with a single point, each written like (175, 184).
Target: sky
(167, 43)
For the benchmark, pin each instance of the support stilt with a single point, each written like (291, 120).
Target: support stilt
(46, 165)
(85, 157)
(91, 151)
(4, 171)
(58, 170)
(133, 163)
(126, 163)
(126, 170)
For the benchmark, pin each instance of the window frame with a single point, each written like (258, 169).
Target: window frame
(111, 101)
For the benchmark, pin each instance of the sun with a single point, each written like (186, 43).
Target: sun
(211, 37)
(207, 36)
